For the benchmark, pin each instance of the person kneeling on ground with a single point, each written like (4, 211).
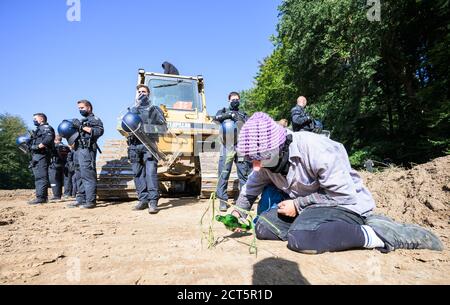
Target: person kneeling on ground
(312, 198)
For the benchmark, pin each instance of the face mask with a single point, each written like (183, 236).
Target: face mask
(234, 105)
(84, 113)
(36, 123)
(143, 100)
(282, 161)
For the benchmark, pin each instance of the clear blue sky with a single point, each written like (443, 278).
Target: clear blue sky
(48, 63)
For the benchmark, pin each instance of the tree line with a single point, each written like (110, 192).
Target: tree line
(381, 87)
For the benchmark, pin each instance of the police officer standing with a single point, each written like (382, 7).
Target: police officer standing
(90, 129)
(56, 168)
(41, 146)
(144, 164)
(228, 152)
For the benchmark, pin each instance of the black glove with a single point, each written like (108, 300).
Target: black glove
(234, 116)
(35, 148)
(133, 110)
(76, 123)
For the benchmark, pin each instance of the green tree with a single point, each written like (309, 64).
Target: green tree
(380, 87)
(14, 172)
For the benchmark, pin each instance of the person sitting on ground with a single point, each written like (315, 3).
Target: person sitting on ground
(318, 202)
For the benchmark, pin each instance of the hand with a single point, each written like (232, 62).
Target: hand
(76, 123)
(41, 146)
(236, 214)
(287, 208)
(87, 129)
(234, 116)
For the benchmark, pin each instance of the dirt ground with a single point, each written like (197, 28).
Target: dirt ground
(112, 244)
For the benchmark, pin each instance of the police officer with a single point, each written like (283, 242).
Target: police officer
(91, 129)
(300, 118)
(144, 164)
(56, 168)
(228, 152)
(41, 146)
(69, 173)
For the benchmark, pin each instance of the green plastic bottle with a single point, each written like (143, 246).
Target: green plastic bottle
(231, 222)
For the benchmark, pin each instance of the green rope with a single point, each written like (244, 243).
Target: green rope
(208, 235)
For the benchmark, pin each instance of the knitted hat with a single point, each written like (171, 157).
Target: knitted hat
(260, 135)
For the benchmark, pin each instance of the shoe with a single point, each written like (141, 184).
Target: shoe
(153, 207)
(403, 236)
(223, 207)
(37, 201)
(75, 204)
(142, 205)
(55, 199)
(88, 206)
(67, 197)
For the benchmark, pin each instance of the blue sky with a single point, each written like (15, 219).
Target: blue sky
(48, 63)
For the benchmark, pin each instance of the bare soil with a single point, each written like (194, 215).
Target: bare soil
(52, 244)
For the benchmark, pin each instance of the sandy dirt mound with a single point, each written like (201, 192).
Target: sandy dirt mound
(112, 244)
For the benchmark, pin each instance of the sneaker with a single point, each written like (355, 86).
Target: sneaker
(403, 236)
(88, 206)
(142, 205)
(223, 207)
(55, 199)
(153, 207)
(38, 201)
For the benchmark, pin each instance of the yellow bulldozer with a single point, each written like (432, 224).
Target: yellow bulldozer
(190, 147)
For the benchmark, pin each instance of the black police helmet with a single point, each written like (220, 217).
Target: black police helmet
(68, 131)
(131, 122)
(228, 132)
(23, 139)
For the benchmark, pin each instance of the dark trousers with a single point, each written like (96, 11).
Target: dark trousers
(68, 186)
(228, 156)
(40, 172)
(316, 230)
(56, 177)
(87, 175)
(145, 169)
(75, 179)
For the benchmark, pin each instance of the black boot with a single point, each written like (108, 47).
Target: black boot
(38, 201)
(75, 204)
(153, 207)
(142, 205)
(88, 206)
(223, 207)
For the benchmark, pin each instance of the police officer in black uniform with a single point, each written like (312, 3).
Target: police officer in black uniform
(41, 146)
(300, 118)
(56, 168)
(91, 129)
(144, 164)
(243, 167)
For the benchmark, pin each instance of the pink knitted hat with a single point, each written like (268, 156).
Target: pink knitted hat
(260, 135)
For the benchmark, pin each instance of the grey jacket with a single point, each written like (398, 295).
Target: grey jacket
(320, 174)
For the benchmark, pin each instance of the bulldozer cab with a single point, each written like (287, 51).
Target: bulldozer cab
(175, 92)
(190, 147)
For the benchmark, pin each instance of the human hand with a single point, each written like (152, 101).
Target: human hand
(236, 214)
(87, 129)
(287, 208)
